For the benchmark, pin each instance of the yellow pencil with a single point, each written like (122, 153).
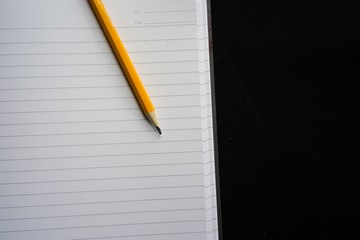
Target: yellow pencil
(125, 62)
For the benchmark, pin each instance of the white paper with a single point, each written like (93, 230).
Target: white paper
(78, 160)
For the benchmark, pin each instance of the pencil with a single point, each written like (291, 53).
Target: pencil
(125, 62)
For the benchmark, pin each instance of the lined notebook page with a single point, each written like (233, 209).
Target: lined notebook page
(78, 160)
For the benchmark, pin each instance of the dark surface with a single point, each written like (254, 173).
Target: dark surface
(286, 75)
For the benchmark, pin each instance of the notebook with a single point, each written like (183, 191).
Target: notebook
(78, 159)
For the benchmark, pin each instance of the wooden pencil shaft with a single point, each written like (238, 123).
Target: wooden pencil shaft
(122, 56)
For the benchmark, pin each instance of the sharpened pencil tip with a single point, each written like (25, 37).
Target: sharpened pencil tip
(159, 130)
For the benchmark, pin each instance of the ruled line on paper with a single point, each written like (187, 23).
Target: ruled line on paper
(100, 75)
(96, 53)
(97, 168)
(209, 174)
(91, 121)
(171, 23)
(167, 24)
(103, 214)
(210, 186)
(91, 64)
(103, 202)
(100, 190)
(141, 235)
(94, 133)
(61, 53)
(98, 87)
(87, 110)
(209, 162)
(207, 140)
(210, 197)
(47, 28)
(75, 158)
(41, 52)
(99, 156)
(48, 42)
(99, 226)
(104, 144)
(127, 120)
(212, 219)
(170, 11)
(104, 179)
(95, 98)
(64, 76)
(100, 42)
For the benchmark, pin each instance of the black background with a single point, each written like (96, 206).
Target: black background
(287, 100)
